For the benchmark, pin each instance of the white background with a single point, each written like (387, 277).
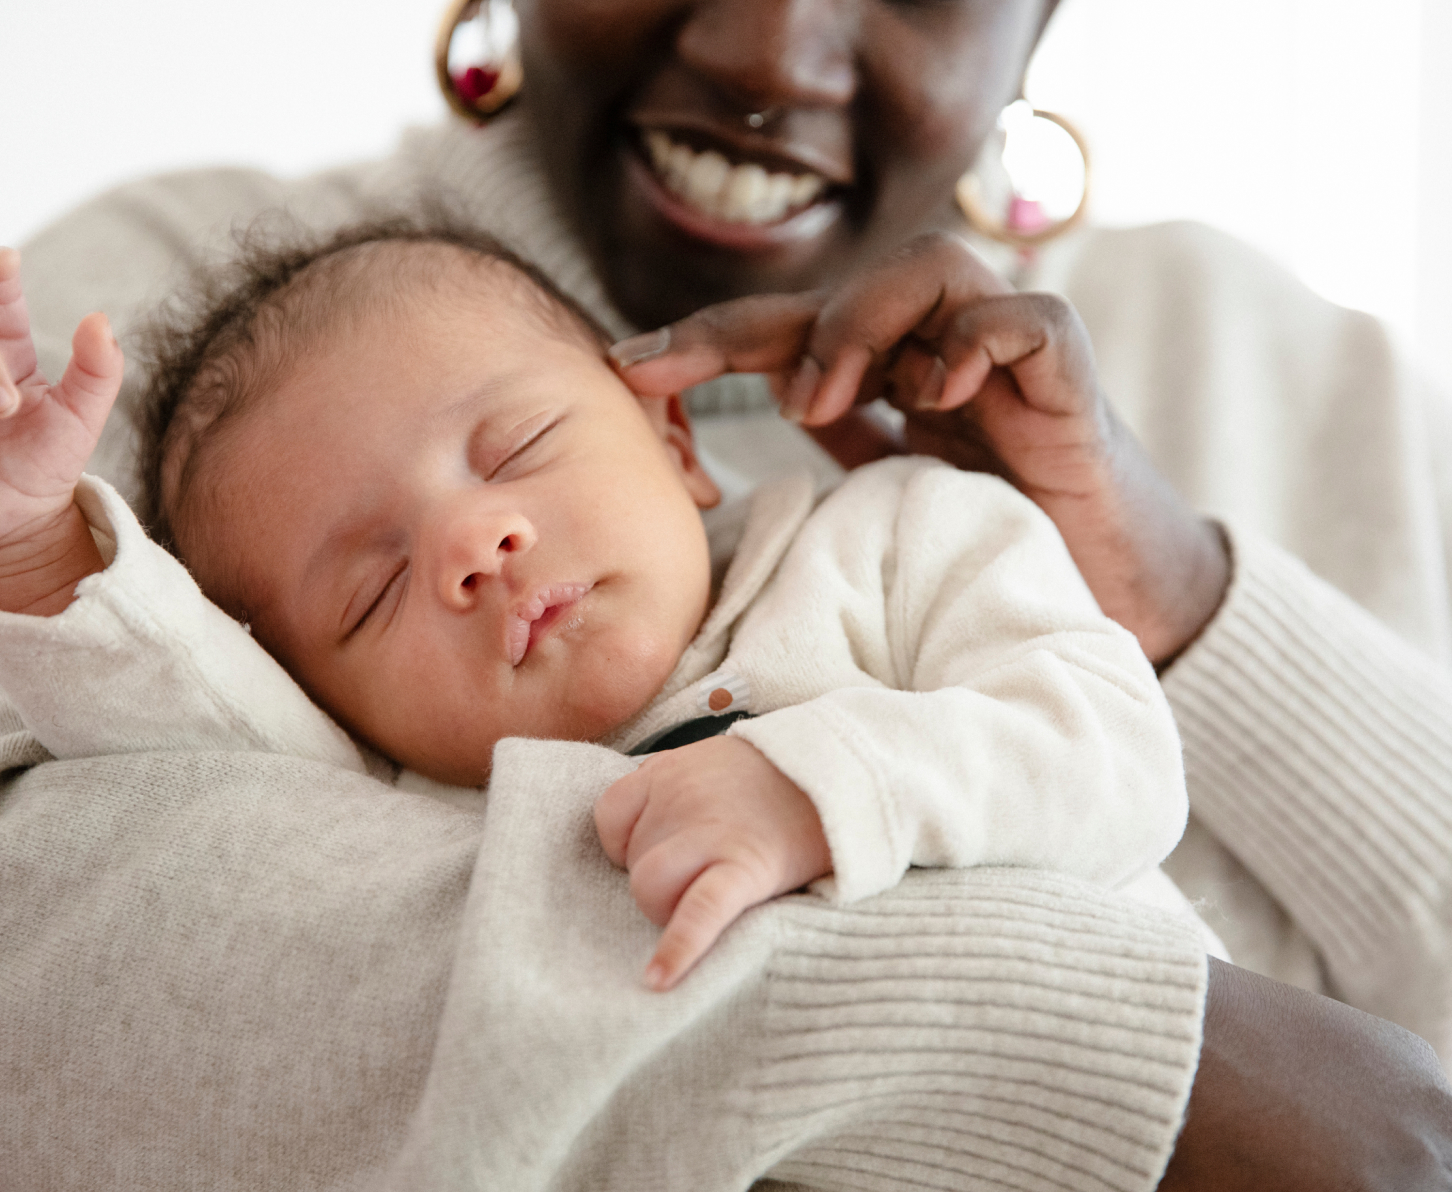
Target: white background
(1320, 130)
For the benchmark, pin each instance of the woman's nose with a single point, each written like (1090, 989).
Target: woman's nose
(773, 53)
(474, 546)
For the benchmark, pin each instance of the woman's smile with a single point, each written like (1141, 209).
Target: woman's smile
(712, 150)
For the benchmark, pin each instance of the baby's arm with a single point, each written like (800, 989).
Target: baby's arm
(47, 432)
(122, 655)
(1001, 719)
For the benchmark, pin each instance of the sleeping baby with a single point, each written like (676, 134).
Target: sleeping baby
(420, 512)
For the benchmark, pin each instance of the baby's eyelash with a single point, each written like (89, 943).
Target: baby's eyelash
(522, 447)
(377, 602)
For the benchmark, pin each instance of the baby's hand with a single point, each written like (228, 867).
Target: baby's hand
(47, 432)
(707, 831)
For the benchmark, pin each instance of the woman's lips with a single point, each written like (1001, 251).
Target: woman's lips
(735, 206)
(530, 621)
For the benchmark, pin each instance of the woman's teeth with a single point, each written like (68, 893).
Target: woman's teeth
(738, 194)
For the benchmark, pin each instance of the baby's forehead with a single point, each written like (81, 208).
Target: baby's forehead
(404, 273)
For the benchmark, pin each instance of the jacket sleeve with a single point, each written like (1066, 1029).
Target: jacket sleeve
(141, 661)
(1000, 718)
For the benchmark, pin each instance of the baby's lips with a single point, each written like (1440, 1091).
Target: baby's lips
(519, 627)
(517, 638)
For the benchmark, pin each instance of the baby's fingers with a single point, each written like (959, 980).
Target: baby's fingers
(9, 395)
(17, 350)
(618, 810)
(710, 905)
(93, 378)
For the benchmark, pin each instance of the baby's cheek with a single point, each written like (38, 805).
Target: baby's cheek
(613, 682)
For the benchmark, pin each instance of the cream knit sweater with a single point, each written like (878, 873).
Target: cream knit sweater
(239, 970)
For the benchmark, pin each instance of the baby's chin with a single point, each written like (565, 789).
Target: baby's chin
(604, 706)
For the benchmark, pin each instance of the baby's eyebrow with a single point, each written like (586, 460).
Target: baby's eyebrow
(479, 396)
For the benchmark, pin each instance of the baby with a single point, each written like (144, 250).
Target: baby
(403, 462)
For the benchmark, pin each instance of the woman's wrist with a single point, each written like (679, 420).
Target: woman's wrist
(39, 570)
(1153, 562)
(1207, 574)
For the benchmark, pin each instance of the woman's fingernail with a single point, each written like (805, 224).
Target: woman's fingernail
(802, 389)
(655, 975)
(930, 396)
(640, 348)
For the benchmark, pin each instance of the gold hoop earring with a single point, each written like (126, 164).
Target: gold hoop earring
(990, 185)
(476, 57)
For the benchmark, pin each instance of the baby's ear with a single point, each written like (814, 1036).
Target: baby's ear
(668, 416)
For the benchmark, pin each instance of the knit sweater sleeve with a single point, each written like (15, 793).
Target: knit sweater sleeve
(995, 1028)
(996, 717)
(142, 661)
(1318, 748)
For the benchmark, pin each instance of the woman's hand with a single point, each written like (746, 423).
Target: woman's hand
(989, 380)
(1299, 1093)
(47, 432)
(706, 831)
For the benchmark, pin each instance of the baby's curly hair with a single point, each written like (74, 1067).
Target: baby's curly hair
(215, 351)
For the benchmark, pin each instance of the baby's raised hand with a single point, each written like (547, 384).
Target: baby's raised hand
(706, 831)
(47, 432)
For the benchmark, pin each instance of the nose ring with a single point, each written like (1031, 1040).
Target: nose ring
(759, 119)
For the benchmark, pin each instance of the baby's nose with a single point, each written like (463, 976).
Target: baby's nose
(476, 549)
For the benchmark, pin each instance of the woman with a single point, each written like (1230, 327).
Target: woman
(285, 975)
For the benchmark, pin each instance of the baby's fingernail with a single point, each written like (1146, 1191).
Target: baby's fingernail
(640, 348)
(802, 389)
(655, 975)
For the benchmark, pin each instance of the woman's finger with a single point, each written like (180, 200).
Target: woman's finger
(712, 902)
(857, 438)
(1037, 337)
(911, 296)
(760, 334)
(17, 350)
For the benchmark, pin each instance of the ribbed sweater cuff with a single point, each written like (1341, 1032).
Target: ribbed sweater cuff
(1035, 1035)
(1318, 749)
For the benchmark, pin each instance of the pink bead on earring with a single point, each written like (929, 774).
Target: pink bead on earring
(476, 57)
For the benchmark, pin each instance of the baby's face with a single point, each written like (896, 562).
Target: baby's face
(456, 525)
